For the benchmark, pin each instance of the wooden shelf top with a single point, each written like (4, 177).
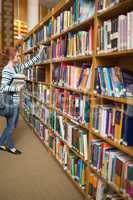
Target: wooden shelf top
(123, 148)
(71, 59)
(71, 89)
(75, 27)
(117, 99)
(43, 63)
(116, 54)
(120, 8)
(63, 4)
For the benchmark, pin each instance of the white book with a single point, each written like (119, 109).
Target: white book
(85, 146)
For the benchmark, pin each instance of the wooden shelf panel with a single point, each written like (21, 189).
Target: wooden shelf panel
(117, 99)
(123, 148)
(118, 9)
(71, 89)
(75, 27)
(71, 59)
(43, 63)
(38, 82)
(125, 53)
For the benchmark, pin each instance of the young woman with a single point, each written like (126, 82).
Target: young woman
(12, 67)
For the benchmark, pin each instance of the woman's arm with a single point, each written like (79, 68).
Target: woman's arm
(20, 67)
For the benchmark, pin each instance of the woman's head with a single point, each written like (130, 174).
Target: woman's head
(10, 54)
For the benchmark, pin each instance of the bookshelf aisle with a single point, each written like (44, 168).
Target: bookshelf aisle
(79, 98)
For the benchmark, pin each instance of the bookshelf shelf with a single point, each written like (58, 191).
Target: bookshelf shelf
(71, 59)
(117, 99)
(75, 27)
(43, 63)
(115, 10)
(123, 148)
(116, 54)
(94, 27)
(71, 89)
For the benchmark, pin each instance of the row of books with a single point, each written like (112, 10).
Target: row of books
(104, 4)
(42, 92)
(113, 81)
(114, 122)
(70, 162)
(74, 105)
(44, 33)
(113, 165)
(116, 34)
(70, 133)
(78, 12)
(35, 74)
(99, 190)
(73, 44)
(72, 76)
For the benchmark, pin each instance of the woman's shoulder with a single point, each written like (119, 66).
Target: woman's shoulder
(8, 69)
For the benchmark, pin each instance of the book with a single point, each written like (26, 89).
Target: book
(18, 81)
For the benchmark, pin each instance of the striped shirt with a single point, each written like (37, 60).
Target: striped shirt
(8, 73)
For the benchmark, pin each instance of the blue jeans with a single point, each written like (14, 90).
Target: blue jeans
(6, 138)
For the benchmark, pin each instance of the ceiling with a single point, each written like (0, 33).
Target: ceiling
(49, 3)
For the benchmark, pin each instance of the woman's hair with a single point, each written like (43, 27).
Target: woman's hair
(7, 54)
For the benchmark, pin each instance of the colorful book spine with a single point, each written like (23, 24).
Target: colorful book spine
(113, 165)
(75, 105)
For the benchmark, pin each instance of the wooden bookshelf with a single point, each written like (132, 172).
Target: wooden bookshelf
(97, 58)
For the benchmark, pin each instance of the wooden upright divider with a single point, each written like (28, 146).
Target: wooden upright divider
(102, 59)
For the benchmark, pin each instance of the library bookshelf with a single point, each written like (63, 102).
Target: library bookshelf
(121, 58)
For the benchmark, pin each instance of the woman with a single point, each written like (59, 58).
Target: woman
(6, 142)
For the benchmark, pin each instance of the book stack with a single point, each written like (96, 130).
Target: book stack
(44, 33)
(104, 4)
(77, 106)
(70, 133)
(73, 44)
(113, 81)
(114, 166)
(73, 76)
(113, 122)
(116, 34)
(78, 12)
(77, 169)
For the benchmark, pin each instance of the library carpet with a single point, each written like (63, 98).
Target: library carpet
(34, 174)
